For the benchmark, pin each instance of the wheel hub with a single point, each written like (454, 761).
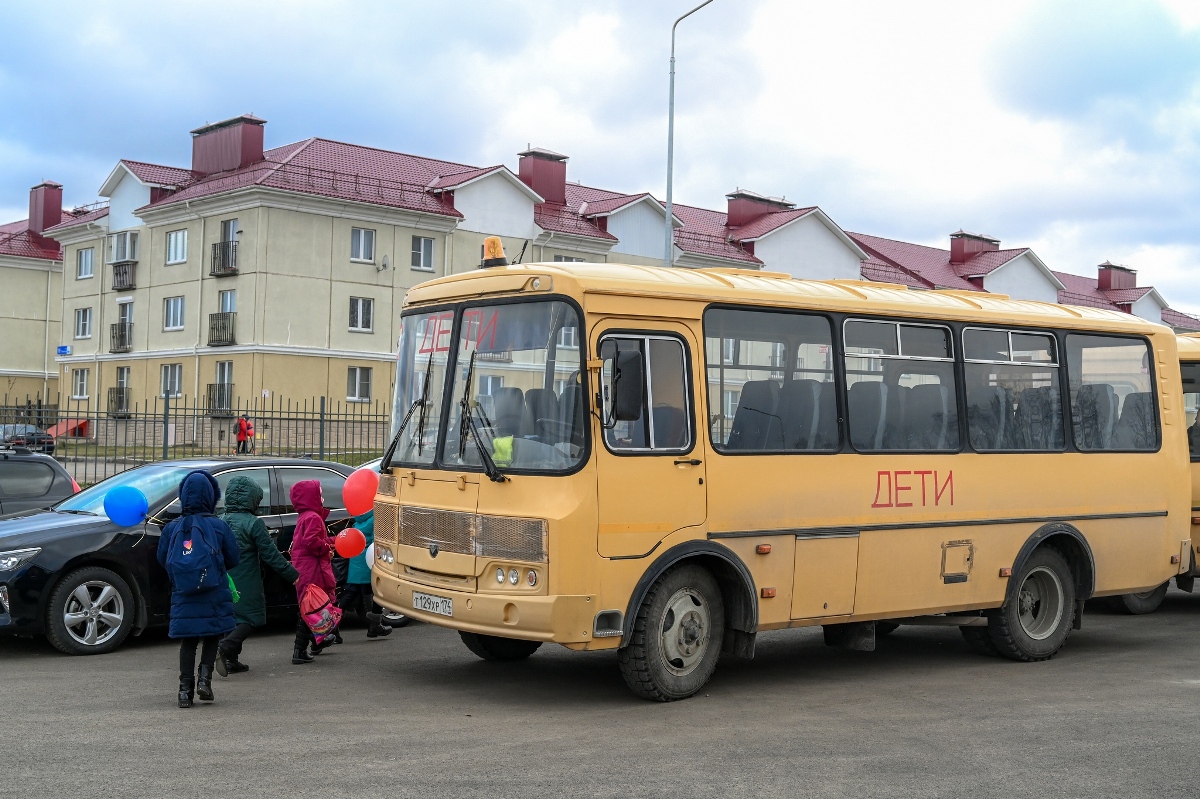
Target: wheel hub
(1041, 603)
(685, 636)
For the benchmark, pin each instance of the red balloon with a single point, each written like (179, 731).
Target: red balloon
(350, 543)
(359, 491)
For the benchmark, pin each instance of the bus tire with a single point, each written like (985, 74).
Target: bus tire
(1145, 602)
(979, 640)
(1033, 624)
(492, 647)
(677, 636)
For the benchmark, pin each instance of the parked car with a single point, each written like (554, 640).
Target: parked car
(71, 574)
(31, 480)
(28, 436)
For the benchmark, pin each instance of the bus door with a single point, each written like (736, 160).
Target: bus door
(651, 467)
(1190, 373)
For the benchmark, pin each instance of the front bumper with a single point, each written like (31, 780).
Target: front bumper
(562, 619)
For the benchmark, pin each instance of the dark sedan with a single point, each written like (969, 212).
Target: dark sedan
(27, 435)
(71, 574)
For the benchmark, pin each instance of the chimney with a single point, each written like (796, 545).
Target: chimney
(45, 206)
(746, 206)
(545, 172)
(231, 144)
(964, 246)
(1114, 276)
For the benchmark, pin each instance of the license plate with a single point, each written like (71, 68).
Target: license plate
(441, 605)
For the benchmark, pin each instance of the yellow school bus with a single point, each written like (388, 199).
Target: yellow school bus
(667, 462)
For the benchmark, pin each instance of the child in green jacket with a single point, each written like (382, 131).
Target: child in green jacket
(242, 497)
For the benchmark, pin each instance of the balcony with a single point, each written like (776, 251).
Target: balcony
(123, 274)
(119, 405)
(224, 259)
(220, 399)
(221, 329)
(120, 337)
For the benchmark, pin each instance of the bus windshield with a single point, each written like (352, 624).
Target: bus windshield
(420, 379)
(517, 365)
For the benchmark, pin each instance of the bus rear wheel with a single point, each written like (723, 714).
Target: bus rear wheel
(1145, 602)
(677, 636)
(1035, 621)
(492, 647)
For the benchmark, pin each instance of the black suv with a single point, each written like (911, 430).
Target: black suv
(26, 435)
(29, 480)
(71, 574)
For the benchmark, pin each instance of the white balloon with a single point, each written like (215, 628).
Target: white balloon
(370, 555)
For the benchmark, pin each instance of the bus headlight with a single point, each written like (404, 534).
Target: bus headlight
(384, 555)
(514, 576)
(531, 578)
(500, 575)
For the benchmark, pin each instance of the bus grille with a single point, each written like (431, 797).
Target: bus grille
(514, 539)
(463, 533)
(387, 518)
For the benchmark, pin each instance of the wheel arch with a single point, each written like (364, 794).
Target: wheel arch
(115, 565)
(1068, 542)
(733, 578)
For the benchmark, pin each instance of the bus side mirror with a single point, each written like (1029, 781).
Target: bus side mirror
(627, 386)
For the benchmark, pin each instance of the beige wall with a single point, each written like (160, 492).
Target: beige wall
(29, 308)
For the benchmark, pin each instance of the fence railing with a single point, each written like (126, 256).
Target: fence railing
(221, 330)
(120, 336)
(124, 276)
(95, 440)
(224, 259)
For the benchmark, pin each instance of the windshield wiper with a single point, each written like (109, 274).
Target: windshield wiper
(72, 510)
(467, 424)
(385, 466)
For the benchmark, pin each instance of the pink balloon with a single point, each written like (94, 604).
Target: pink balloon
(350, 543)
(359, 491)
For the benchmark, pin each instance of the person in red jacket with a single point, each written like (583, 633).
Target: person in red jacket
(245, 434)
(312, 556)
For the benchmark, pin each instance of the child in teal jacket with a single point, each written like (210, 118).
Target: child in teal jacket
(357, 594)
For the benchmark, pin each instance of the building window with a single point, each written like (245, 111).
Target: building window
(567, 259)
(362, 244)
(172, 379)
(422, 253)
(79, 384)
(176, 246)
(83, 263)
(229, 230)
(362, 314)
(358, 384)
(83, 323)
(489, 385)
(123, 377)
(567, 338)
(123, 247)
(173, 313)
(228, 301)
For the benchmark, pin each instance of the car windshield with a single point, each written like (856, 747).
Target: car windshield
(157, 482)
(17, 430)
(517, 364)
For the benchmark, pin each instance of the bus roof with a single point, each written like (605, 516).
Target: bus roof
(770, 288)
(1189, 346)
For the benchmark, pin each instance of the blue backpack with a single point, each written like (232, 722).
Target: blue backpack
(194, 562)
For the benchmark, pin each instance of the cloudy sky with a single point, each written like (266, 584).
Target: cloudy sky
(1070, 126)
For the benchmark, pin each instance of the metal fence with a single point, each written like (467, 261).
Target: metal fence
(95, 440)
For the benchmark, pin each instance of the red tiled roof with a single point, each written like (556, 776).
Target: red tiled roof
(18, 242)
(1086, 291)
(70, 219)
(564, 219)
(1180, 319)
(761, 226)
(158, 175)
(1126, 296)
(884, 272)
(610, 204)
(444, 182)
(931, 264)
(985, 263)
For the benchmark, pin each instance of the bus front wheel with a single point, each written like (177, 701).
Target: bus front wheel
(677, 636)
(1035, 621)
(1145, 602)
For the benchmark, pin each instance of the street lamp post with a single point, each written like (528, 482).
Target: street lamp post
(669, 244)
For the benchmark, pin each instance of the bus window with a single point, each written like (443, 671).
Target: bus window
(1191, 403)
(770, 381)
(900, 387)
(1012, 391)
(1112, 397)
(665, 395)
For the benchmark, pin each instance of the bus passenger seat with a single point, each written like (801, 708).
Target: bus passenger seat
(895, 433)
(670, 426)
(510, 410)
(1135, 428)
(755, 423)
(1096, 415)
(827, 422)
(868, 403)
(800, 413)
(990, 417)
(541, 416)
(1036, 424)
(928, 416)
(568, 412)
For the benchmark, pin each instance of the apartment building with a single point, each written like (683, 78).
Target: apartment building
(31, 271)
(260, 273)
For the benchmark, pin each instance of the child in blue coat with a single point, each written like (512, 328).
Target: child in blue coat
(197, 550)
(358, 594)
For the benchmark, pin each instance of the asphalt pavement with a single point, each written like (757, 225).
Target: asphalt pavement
(1116, 713)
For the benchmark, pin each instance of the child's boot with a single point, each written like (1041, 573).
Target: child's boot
(187, 691)
(204, 684)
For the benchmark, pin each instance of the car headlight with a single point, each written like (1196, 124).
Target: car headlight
(15, 557)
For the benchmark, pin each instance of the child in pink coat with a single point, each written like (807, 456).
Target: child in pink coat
(312, 556)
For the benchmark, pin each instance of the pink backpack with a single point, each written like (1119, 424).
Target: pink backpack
(319, 613)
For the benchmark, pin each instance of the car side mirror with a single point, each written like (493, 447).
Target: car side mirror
(627, 386)
(173, 510)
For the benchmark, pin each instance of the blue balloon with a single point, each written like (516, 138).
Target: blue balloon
(126, 506)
